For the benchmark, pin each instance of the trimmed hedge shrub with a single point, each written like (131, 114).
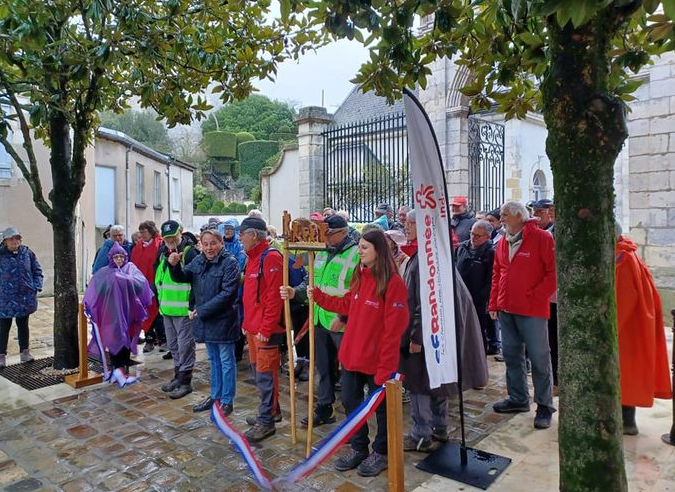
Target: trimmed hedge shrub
(221, 167)
(235, 169)
(217, 207)
(244, 137)
(253, 156)
(220, 144)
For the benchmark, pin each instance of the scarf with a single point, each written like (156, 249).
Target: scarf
(410, 249)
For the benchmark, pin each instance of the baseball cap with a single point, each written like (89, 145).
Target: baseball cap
(253, 223)
(542, 204)
(460, 200)
(170, 228)
(383, 208)
(336, 222)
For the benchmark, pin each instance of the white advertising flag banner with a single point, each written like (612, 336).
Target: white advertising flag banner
(434, 246)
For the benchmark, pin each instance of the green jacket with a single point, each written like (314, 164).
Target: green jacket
(173, 297)
(333, 274)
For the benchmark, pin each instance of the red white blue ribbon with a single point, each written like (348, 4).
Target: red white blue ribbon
(242, 445)
(96, 338)
(327, 448)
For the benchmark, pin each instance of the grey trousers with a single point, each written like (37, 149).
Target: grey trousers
(327, 346)
(520, 333)
(427, 412)
(181, 341)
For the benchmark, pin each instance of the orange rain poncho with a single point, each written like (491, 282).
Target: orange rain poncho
(643, 356)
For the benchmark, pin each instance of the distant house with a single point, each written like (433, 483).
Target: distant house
(127, 183)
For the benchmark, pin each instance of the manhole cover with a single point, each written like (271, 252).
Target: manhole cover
(39, 373)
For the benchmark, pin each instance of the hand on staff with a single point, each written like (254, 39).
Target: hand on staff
(310, 293)
(262, 338)
(493, 315)
(174, 258)
(193, 314)
(336, 325)
(414, 348)
(286, 292)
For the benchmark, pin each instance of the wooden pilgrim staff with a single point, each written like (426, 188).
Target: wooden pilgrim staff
(289, 325)
(310, 404)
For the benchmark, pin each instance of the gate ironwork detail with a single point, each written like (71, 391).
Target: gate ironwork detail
(486, 164)
(365, 164)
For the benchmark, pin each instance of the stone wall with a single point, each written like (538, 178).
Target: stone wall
(651, 180)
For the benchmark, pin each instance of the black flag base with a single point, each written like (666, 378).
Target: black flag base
(466, 465)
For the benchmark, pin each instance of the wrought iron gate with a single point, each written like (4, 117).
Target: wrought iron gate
(486, 164)
(365, 164)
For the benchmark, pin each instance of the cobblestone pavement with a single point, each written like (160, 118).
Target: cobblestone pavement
(137, 439)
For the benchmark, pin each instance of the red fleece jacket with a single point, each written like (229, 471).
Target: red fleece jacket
(374, 327)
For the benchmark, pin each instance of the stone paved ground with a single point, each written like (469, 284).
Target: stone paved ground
(137, 439)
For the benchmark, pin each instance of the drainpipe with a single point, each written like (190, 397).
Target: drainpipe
(127, 188)
(168, 188)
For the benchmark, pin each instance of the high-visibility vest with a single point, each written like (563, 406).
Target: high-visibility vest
(173, 297)
(333, 278)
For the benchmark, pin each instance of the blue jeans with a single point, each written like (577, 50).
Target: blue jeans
(223, 371)
(520, 333)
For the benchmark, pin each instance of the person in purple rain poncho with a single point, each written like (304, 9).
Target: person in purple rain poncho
(117, 300)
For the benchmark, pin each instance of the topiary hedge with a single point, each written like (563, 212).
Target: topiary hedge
(253, 156)
(220, 144)
(244, 137)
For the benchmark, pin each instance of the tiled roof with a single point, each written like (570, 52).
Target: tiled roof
(359, 106)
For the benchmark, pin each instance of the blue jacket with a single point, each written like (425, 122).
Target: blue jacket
(233, 246)
(215, 285)
(101, 259)
(20, 281)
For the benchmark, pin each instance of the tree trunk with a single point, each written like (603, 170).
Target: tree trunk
(65, 259)
(586, 129)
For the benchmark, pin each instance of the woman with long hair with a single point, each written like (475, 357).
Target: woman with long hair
(376, 307)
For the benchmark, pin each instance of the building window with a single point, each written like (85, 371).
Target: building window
(5, 164)
(140, 184)
(539, 190)
(157, 190)
(175, 195)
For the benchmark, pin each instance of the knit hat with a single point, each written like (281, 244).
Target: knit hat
(253, 223)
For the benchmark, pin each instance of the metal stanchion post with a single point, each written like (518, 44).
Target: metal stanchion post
(670, 437)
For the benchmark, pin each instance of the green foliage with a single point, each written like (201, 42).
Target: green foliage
(235, 169)
(256, 196)
(254, 155)
(217, 208)
(252, 206)
(220, 144)
(245, 183)
(244, 137)
(235, 208)
(256, 114)
(221, 166)
(504, 44)
(141, 126)
(200, 194)
(202, 208)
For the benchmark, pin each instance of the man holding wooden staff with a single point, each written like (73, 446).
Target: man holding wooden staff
(333, 270)
(262, 326)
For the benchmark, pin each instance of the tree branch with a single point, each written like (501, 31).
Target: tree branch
(32, 175)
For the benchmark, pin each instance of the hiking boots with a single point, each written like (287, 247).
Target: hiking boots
(227, 408)
(322, 415)
(259, 432)
(440, 434)
(254, 420)
(26, 356)
(149, 347)
(510, 406)
(542, 419)
(203, 405)
(167, 356)
(184, 386)
(350, 460)
(173, 384)
(629, 425)
(422, 445)
(301, 369)
(373, 465)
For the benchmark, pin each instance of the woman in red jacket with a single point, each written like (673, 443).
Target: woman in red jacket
(376, 307)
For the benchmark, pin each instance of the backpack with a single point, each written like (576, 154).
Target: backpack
(295, 275)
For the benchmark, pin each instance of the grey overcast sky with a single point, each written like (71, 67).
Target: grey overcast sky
(329, 69)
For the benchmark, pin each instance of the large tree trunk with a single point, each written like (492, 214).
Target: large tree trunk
(65, 260)
(586, 129)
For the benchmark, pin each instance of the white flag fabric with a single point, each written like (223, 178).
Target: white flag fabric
(435, 248)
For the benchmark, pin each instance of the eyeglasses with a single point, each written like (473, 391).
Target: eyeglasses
(473, 234)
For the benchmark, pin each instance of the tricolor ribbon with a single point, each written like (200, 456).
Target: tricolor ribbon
(241, 443)
(327, 448)
(96, 338)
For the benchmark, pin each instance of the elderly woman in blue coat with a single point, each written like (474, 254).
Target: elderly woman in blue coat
(20, 281)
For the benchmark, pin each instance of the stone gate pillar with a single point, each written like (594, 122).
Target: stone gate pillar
(311, 122)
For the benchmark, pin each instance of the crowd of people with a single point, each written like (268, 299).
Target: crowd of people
(224, 288)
